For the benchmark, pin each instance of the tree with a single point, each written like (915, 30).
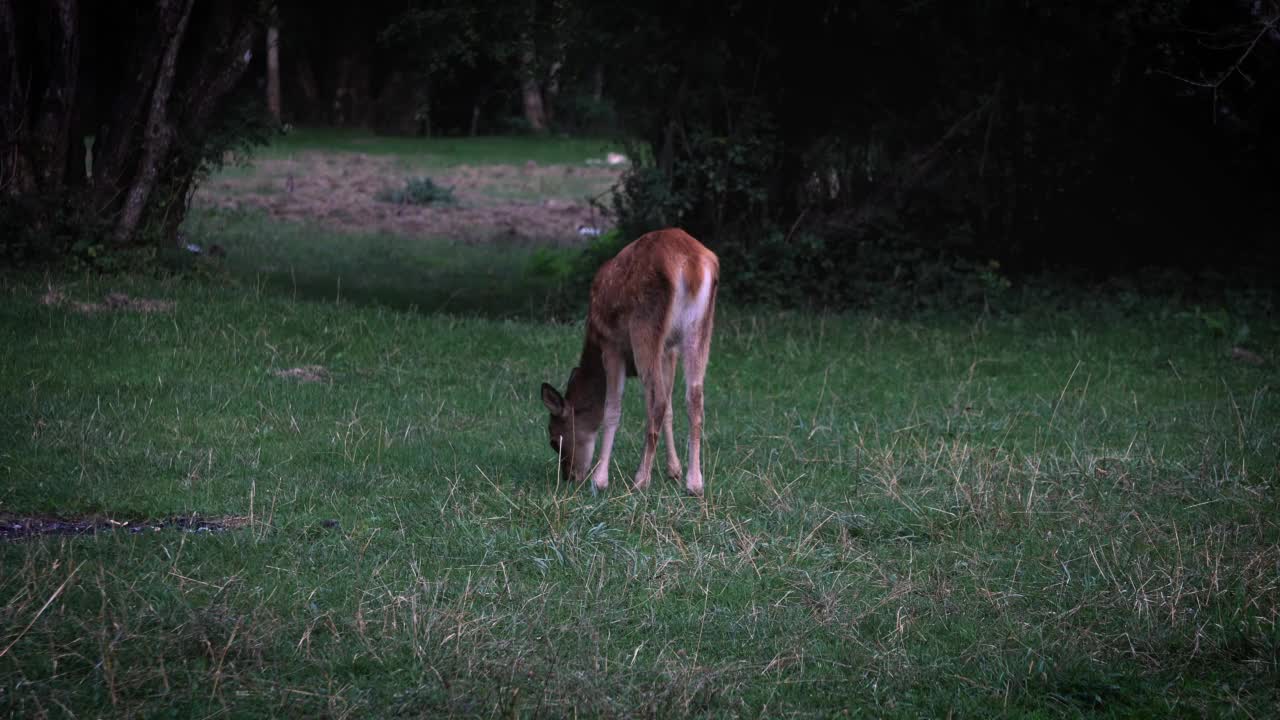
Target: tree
(110, 116)
(273, 71)
(468, 53)
(1036, 134)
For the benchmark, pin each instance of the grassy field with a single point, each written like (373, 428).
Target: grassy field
(432, 275)
(1050, 514)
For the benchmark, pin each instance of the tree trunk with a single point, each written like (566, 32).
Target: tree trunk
(168, 66)
(118, 139)
(597, 82)
(15, 175)
(553, 90)
(534, 112)
(273, 72)
(306, 85)
(226, 57)
(222, 65)
(53, 123)
(158, 136)
(423, 111)
(36, 132)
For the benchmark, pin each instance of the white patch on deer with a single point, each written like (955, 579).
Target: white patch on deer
(690, 309)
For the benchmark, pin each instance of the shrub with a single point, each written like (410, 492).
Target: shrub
(820, 270)
(569, 272)
(418, 191)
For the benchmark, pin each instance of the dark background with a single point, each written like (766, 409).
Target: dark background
(824, 148)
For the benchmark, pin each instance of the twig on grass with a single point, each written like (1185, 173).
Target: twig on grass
(40, 612)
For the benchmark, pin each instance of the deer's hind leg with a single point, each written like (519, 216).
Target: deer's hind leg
(695, 352)
(669, 371)
(647, 347)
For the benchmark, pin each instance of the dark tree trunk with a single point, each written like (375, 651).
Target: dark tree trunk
(36, 130)
(553, 91)
(273, 72)
(306, 86)
(119, 137)
(597, 82)
(16, 177)
(168, 69)
(51, 133)
(158, 135)
(224, 57)
(530, 92)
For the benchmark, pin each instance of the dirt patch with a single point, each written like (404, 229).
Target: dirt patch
(16, 527)
(1247, 356)
(306, 373)
(528, 202)
(113, 302)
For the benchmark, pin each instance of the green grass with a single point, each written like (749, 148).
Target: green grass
(1047, 516)
(412, 273)
(1055, 513)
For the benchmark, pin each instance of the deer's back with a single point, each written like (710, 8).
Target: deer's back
(664, 279)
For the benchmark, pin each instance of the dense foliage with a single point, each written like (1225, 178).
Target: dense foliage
(885, 141)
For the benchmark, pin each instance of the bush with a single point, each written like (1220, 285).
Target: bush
(418, 191)
(55, 229)
(825, 271)
(582, 113)
(569, 272)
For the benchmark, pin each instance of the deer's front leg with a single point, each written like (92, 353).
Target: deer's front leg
(615, 372)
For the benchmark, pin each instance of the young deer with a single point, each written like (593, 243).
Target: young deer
(653, 301)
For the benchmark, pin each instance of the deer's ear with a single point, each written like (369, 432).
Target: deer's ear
(553, 400)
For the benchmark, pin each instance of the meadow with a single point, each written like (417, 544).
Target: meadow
(318, 485)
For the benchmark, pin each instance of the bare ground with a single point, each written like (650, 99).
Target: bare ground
(113, 302)
(16, 527)
(535, 203)
(306, 373)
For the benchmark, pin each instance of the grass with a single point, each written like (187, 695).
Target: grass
(430, 274)
(1049, 514)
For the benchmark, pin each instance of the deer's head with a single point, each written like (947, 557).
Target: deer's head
(572, 431)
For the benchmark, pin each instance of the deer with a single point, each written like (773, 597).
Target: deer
(650, 304)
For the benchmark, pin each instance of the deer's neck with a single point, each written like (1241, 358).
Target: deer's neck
(586, 388)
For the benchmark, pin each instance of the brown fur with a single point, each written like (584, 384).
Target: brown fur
(644, 313)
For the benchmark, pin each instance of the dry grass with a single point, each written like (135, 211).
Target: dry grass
(522, 204)
(111, 302)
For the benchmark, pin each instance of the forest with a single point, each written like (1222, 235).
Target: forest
(824, 149)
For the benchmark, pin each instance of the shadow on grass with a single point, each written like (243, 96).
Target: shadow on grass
(429, 275)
